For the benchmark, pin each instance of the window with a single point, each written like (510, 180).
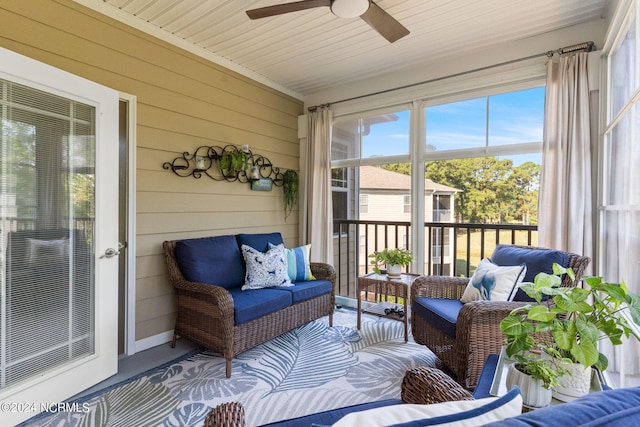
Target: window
(364, 203)
(481, 159)
(620, 198)
(377, 135)
(491, 121)
(442, 208)
(406, 204)
(489, 150)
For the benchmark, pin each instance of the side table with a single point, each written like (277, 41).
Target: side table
(382, 288)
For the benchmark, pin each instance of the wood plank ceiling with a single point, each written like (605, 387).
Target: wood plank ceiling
(313, 50)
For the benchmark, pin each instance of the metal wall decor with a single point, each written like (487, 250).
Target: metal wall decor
(228, 163)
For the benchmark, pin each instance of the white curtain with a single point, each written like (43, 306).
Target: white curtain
(566, 207)
(316, 214)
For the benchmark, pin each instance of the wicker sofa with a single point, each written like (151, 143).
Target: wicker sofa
(463, 335)
(212, 310)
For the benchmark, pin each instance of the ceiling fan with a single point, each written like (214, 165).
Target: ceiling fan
(370, 13)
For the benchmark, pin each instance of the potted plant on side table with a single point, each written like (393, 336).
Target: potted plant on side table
(569, 325)
(394, 259)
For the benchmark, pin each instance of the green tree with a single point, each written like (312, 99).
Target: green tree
(493, 190)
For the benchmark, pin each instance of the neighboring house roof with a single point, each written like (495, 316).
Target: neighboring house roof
(373, 177)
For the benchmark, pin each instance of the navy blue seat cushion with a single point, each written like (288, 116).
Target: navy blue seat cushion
(537, 261)
(332, 416)
(442, 313)
(259, 242)
(213, 260)
(619, 407)
(302, 291)
(254, 303)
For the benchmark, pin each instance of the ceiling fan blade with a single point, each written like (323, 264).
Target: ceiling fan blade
(280, 9)
(384, 23)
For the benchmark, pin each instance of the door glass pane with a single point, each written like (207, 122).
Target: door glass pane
(47, 211)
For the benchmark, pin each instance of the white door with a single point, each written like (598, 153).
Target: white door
(58, 220)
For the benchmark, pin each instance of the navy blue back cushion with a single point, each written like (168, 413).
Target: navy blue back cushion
(259, 242)
(537, 260)
(213, 260)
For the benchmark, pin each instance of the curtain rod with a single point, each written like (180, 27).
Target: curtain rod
(584, 46)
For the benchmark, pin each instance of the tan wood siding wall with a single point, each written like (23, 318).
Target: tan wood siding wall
(183, 101)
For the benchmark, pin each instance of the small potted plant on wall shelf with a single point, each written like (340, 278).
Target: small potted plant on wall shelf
(394, 259)
(234, 161)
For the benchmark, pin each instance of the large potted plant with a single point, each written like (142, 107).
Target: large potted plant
(571, 322)
(394, 259)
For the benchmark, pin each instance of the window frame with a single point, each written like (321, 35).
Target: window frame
(417, 143)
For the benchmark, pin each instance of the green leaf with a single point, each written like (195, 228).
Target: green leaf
(559, 270)
(541, 313)
(512, 325)
(634, 307)
(602, 363)
(618, 293)
(574, 301)
(585, 352)
(592, 281)
(518, 344)
(565, 334)
(586, 330)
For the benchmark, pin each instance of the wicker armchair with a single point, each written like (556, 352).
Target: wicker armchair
(477, 330)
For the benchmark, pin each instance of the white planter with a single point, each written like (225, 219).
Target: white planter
(575, 383)
(533, 393)
(394, 270)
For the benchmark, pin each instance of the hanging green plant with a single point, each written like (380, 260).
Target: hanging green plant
(290, 189)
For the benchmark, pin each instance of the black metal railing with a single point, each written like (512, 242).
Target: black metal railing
(450, 248)
(85, 225)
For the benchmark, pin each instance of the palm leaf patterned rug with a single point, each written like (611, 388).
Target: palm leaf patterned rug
(310, 369)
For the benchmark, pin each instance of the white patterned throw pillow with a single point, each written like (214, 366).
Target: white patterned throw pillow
(493, 283)
(265, 270)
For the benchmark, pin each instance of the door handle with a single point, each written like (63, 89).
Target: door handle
(110, 252)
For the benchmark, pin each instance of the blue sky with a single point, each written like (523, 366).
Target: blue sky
(515, 117)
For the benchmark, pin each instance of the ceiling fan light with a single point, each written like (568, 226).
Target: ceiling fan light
(349, 8)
